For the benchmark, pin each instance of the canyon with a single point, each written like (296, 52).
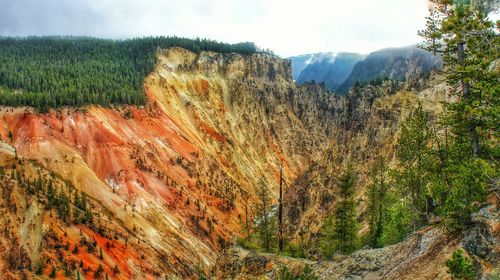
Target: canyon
(169, 182)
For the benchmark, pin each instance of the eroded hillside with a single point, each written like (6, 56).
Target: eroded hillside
(168, 182)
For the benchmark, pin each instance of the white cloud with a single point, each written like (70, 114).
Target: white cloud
(286, 26)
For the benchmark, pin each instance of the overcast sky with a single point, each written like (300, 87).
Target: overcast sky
(287, 27)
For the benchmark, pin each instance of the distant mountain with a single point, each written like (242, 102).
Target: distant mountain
(329, 68)
(407, 63)
(300, 63)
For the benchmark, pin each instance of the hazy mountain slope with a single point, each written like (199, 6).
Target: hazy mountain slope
(409, 64)
(332, 70)
(299, 63)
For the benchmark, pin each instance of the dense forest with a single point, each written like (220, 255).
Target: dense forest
(51, 72)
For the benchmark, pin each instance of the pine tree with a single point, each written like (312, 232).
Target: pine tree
(466, 38)
(327, 238)
(266, 223)
(462, 33)
(53, 272)
(377, 204)
(414, 156)
(50, 194)
(460, 267)
(345, 230)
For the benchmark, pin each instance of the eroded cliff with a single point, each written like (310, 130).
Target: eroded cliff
(172, 178)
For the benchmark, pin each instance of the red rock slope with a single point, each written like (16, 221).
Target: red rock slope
(170, 179)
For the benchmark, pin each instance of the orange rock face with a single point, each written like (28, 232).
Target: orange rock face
(169, 181)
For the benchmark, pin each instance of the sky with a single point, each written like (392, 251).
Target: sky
(288, 27)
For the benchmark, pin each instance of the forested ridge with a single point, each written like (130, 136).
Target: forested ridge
(52, 72)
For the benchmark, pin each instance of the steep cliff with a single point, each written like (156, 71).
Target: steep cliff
(171, 178)
(168, 183)
(332, 69)
(409, 64)
(369, 130)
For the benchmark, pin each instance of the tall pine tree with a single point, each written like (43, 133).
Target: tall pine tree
(345, 228)
(469, 44)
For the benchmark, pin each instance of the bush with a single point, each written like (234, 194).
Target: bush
(460, 267)
(284, 274)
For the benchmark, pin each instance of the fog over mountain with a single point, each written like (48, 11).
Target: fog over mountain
(341, 71)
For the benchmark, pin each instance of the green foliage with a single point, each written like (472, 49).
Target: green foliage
(377, 203)
(53, 272)
(470, 46)
(460, 267)
(346, 227)
(51, 72)
(57, 200)
(397, 225)
(414, 156)
(293, 250)
(326, 238)
(307, 274)
(467, 156)
(284, 273)
(339, 233)
(40, 266)
(266, 220)
(468, 178)
(98, 272)
(81, 213)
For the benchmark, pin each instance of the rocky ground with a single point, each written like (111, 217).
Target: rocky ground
(421, 255)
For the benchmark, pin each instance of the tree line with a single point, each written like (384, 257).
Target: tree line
(54, 71)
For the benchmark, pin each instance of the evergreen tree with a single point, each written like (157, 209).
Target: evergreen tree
(414, 156)
(284, 273)
(307, 274)
(327, 238)
(266, 228)
(397, 224)
(52, 72)
(50, 194)
(98, 272)
(466, 38)
(377, 204)
(53, 272)
(460, 267)
(345, 229)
